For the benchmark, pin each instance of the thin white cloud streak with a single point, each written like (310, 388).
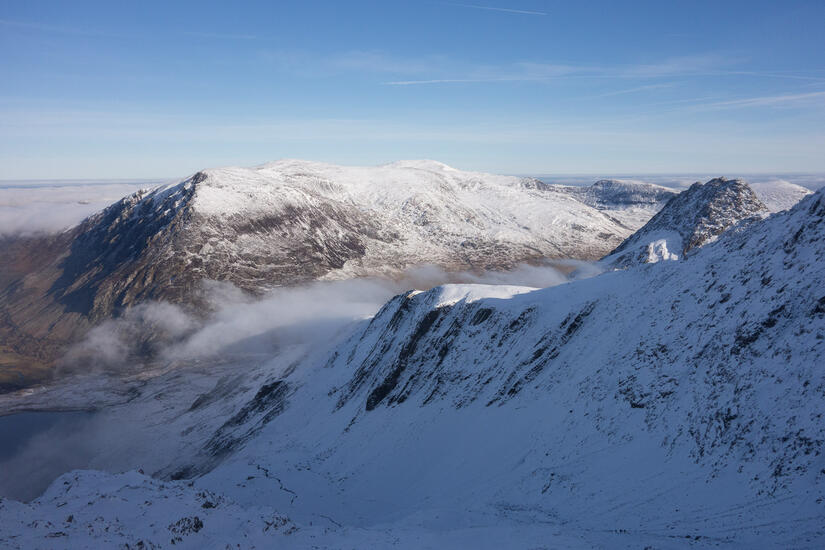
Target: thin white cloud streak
(493, 8)
(59, 29)
(633, 90)
(440, 69)
(764, 101)
(454, 81)
(531, 71)
(42, 27)
(221, 36)
(445, 70)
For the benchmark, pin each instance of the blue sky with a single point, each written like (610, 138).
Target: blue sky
(161, 89)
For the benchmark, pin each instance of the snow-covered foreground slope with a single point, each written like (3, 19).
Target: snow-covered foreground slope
(668, 405)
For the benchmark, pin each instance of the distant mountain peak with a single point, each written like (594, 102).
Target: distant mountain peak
(422, 164)
(614, 183)
(689, 220)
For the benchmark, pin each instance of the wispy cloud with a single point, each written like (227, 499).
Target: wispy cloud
(768, 74)
(766, 101)
(314, 65)
(221, 36)
(79, 31)
(494, 8)
(635, 90)
(451, 81)
(59, 29)
(698, 66)
(531, 71)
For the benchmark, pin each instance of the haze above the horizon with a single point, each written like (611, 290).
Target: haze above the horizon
(104, 90)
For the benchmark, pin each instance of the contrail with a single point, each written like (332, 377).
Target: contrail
(491, 8)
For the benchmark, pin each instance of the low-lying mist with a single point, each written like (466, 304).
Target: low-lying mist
(28, 208)
(239, 324)
(236, 329)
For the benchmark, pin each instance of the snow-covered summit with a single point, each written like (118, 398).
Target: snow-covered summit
(689, 220)
(422, 164)
(631, 202)
(608, 192)
(293, 221)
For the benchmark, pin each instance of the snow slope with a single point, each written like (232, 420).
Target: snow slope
(779, 194)
(668, 405)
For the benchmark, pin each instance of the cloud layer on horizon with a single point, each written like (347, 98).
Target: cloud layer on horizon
(27, 209)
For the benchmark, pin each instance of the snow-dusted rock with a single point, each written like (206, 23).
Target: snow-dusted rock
(631, 202)
(689, 220)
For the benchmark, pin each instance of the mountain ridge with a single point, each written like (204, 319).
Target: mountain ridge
(288, 222)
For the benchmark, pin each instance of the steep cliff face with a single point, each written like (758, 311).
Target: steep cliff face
(689, 220)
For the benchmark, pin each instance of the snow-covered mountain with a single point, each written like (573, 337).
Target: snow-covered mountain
(668, 405)
(292, 222)
(689, 220)
(631, 202)
(779, 194)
